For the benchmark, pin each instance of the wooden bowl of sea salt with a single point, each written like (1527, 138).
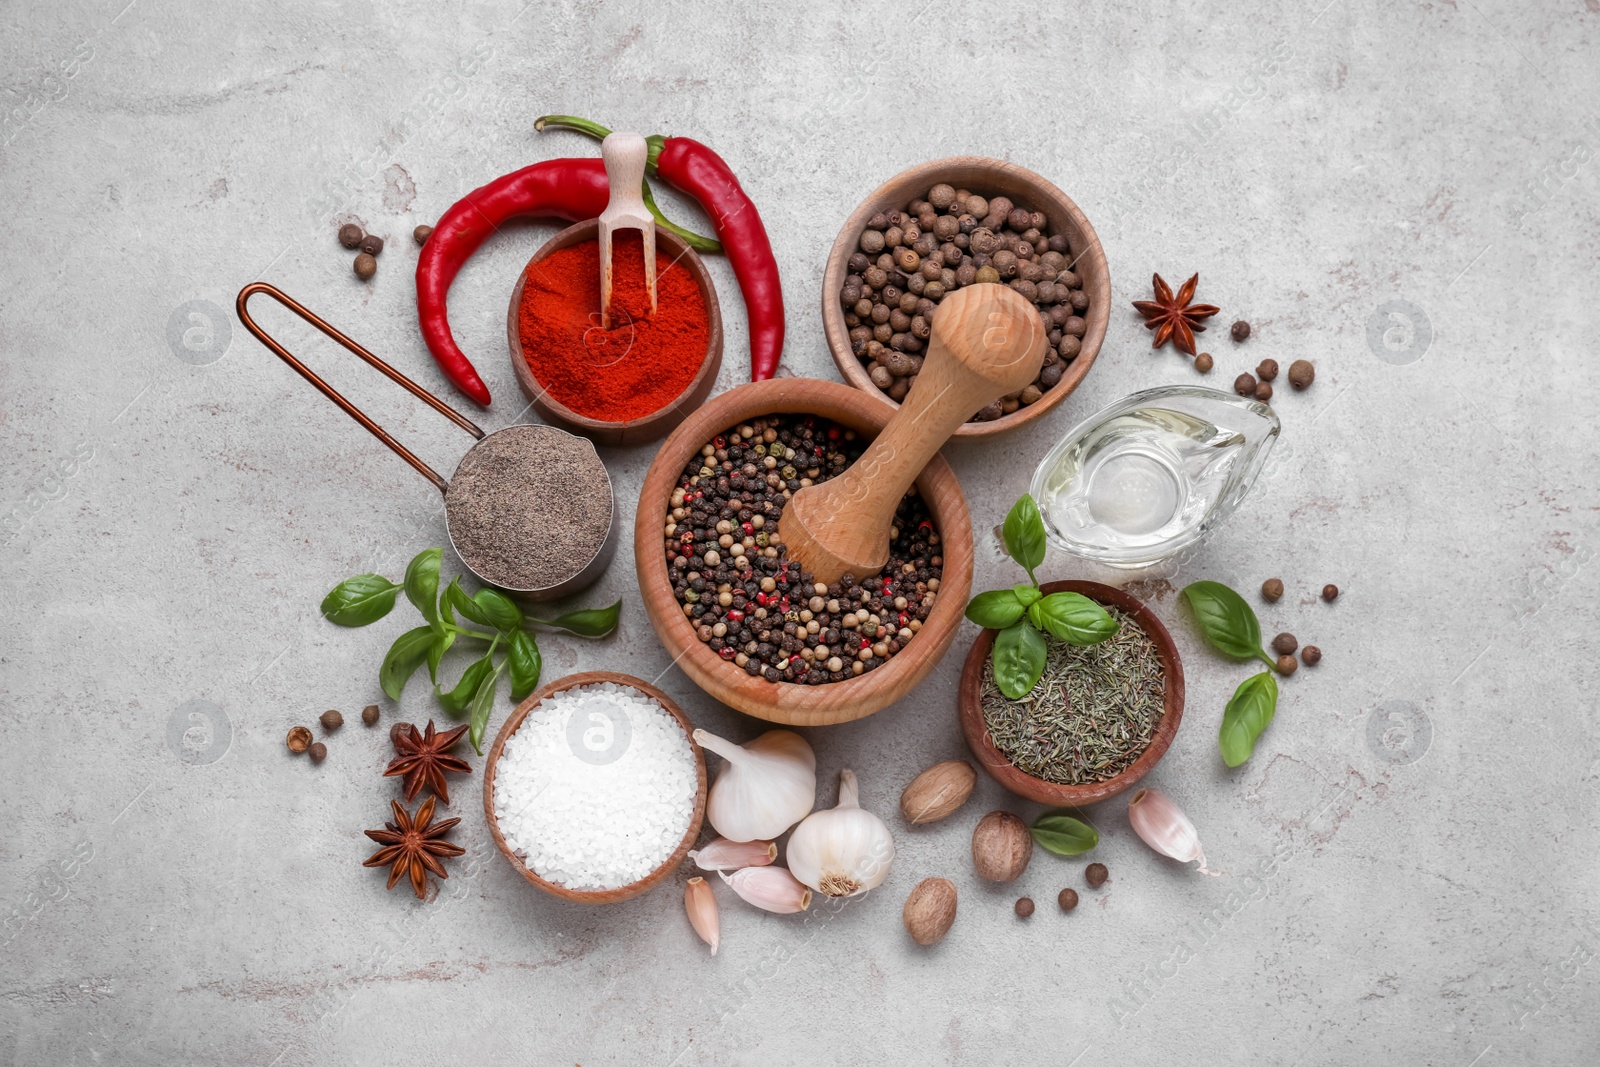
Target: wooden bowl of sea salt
(594, 789)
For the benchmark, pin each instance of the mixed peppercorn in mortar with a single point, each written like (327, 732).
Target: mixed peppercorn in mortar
(749, 602)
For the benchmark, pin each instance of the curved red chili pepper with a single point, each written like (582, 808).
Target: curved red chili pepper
(570, 189)
(693, 168)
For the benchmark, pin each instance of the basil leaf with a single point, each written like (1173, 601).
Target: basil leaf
(361, 600)
(482, 705)
(457, 598)
(1024, 533)
(1226, 620)
(1074, 618)
(405, 656)
(1029, 595)
(422, 583)
(456, 701)
(498, 610)
(1018, 659)
(442, 640)
(589, 622)
(995, 610)
(1062, 834)
(524, 663)
(1248, 713)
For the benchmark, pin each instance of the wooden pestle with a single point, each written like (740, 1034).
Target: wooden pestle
(987, 341)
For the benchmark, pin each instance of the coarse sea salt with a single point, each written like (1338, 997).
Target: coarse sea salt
(596, 788)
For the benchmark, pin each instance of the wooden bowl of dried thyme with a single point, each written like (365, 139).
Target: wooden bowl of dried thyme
(1100, 719)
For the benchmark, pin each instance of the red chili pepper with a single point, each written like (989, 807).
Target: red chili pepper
(571, 189)
(691, 167)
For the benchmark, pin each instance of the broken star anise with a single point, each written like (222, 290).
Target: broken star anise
(423, 759)
(411, 846)
(1173, 316)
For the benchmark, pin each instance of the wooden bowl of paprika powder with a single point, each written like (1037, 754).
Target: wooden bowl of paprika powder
(636, 379)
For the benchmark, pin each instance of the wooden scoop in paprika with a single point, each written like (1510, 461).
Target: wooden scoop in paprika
(624, 154)
(987, 341)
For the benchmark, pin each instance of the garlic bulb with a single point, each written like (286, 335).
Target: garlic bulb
(1165, 828)
(767, 786)
(842, 851)
(771, 889)
(725, 855)
(702, 909)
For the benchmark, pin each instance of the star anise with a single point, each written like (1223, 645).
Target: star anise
(411, 846)
(423, 759)
(1173, 316)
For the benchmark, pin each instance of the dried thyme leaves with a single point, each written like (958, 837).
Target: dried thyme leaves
(1093, 712)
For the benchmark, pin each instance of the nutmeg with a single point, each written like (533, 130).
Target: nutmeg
(930, 910)
(1001, 847)
(938, 791)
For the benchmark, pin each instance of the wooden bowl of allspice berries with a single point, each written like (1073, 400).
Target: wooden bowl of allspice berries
(950, 223)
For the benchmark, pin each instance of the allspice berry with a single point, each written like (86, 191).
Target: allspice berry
(1330, 592)
(331, 720)
(421, 234)
(930, 910)
(1023, 907)
(365, 266)
(1267, 370)
(369, 714)
(396, 731)
(1096, 874)
(350, 235)
(1241, 330)
(1287, 665)
(1068, 899)
(1272, 589)
(372, 244)
(299, 739)
(1284, 644)
(1263, 391)
(1203, 363)
(1244, 384)
(1311, 655)
(1001, 847)
(1302, 373)
(319, 752)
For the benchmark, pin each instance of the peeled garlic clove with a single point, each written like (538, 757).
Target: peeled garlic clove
(702, 908)
(771, 889)
(725, 855)
(766, 786)
(843, 851)
(1164, 827)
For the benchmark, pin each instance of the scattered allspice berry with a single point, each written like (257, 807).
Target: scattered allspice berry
(1096, 874)
(1241, 330)
(930, 910)
(1330, 592)
(1024, 907)
(1263, 391)
(421, 234)
(331, 720)
(1203, 363)
(319, 752)
(1284, 644)
(1245, 385)
(365, 266)
(1302, 373)
(1267, 370)
(1001, 847)
(372, 244)
(1287, 665)
(1311, 655)
(1272, 589)
(350, 235)
(369, 714)
(397, 731)
(299, 739)
(1068, 899)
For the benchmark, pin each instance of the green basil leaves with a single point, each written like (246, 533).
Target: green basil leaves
(1230, 626)
(1064, 835)
(1247, 715)
(1018, 659)
(1073, 617)
(1024, 534)
(357, 601)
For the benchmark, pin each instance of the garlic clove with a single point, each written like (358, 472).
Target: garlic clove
(771, 889)
(764, 788)
(1163, 826)
(843, 851)
(725, 855)
(701, 905)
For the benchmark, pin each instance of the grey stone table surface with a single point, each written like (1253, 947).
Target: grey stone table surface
(1404, 193)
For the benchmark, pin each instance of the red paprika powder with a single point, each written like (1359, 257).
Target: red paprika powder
(635, 368)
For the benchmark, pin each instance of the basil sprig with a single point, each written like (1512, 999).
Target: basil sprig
(366, 598)
(1230, 626)
(1247, 715)
(1023, 613)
